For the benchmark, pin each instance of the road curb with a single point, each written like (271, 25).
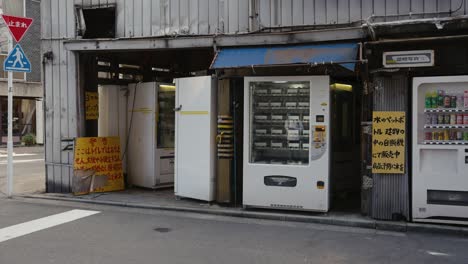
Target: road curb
(325, 220)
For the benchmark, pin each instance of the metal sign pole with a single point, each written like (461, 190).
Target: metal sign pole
(10, 126)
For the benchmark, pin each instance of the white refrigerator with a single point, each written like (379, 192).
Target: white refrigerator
(195, 138)
(150, 122)
(287, 143)
(440, 149)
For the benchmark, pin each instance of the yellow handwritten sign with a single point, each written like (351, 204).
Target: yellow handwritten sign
(97, 165)
(92, 105)
(388, 142)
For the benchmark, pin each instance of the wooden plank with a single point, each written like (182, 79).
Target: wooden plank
(298, 12)
(193, 20)
(146, 17)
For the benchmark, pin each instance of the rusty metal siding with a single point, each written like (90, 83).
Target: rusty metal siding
(390, 192)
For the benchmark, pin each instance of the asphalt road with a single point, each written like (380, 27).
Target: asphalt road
(28, 170)
(125, 235)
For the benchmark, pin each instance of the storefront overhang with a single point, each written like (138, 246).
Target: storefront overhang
(184, 42)
(344, 54)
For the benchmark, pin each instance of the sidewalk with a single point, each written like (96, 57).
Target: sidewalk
(165, 200)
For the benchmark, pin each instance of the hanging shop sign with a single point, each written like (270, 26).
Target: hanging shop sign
(97, 165)
(92, 105)
(388, 142)
(412, 58)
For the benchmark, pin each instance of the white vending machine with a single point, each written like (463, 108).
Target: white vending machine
(195, 138)
(440, 149)
(287, 143)
(150, 122)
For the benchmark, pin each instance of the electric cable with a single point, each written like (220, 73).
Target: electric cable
(131, 122)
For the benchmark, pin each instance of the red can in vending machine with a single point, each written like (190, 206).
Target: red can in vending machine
(460, 119)
(428, 136)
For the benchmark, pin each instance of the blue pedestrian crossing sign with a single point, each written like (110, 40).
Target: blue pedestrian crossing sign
(17, 61)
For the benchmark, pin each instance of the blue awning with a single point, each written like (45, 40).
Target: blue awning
(344, 54)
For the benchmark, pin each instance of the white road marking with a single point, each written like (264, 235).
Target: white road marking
(26, 228)
(433, 253)
(2, 155)
(22, 161)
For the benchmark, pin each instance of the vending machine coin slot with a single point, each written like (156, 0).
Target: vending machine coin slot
(320, 118)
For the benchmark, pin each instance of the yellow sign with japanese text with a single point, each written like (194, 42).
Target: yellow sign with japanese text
(388, 142)
(97, 165)
(92, 106)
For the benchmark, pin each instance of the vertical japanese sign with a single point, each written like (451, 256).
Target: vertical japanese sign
(92, 105)
(97, 165)
(388, 142)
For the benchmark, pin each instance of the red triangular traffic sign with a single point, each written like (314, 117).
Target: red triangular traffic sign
(17, 25)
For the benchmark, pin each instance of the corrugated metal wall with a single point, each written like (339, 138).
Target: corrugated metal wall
(60, 84)
(143, 18)
(285, 13)
(390, 192)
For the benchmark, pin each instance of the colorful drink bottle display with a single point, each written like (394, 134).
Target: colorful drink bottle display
(440, 98)
(465, 99)
(447, 101)
(428, 100)
(459, 119)
(434, 100)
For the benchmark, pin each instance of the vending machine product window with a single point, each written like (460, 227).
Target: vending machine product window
(279, 122)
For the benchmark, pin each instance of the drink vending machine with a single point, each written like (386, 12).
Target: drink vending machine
(440, 149)
(287, 142)
(151, 126)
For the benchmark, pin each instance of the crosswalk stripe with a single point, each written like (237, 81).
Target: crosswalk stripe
(26, 228)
